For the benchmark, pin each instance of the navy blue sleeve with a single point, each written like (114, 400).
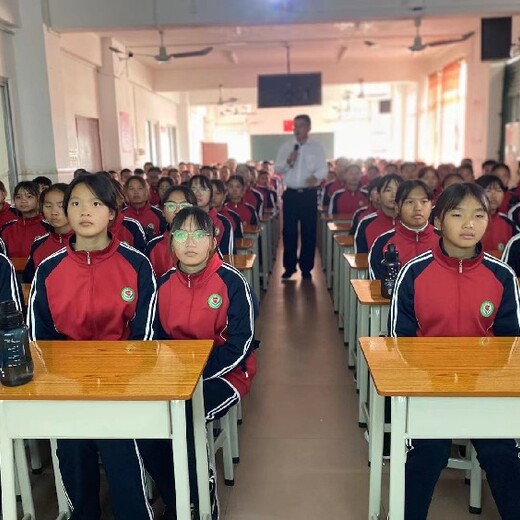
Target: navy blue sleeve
(9, 285)
(30, 268)
(254, 217)
(137, 233)
(240, 329)
(401, 318)
(360, 239)
(511, 254)
(227, 245)
(375, 257)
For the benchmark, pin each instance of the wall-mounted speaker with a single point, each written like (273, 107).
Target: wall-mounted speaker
(496, 38)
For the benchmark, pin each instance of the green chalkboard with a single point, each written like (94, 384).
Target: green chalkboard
(265, 147)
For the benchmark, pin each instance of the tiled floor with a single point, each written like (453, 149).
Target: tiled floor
(302, 455)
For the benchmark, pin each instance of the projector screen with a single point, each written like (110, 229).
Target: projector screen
(289, 90)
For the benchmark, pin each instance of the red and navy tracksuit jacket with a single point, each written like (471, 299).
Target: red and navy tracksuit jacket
(438, 295)
(20, 234)
(128, 230)
(7, 214)
(256, 199)
(149, 217)
(328, 190)
(9, 286)
(358, 215)
(269, 195)
(160, 255)
(153, 197)
(245, 211)
(408, 242)
(97, 295)
(498, 232)
(234, 218)
(369, 228)
(511, 254)
(214, 304)
(346, 201)
(224, 232)
(42, 248)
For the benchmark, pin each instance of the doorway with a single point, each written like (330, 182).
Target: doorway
(8, 168)
(89, 145)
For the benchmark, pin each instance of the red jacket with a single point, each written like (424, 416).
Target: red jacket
(498, 232)
(246, 212)
(42, 248)
(256, 199)
(437, 295)
(19, 235)
(369, 228)
(153, 197)
(128, 230)
(270, 196)
(7, 214)
(234, 218)
(99, 295)
(346, 201)
(359, 215)
(408, 242)
(9, 286)
(159, 253)
(214, 304)
(149, 217)
(329, 189)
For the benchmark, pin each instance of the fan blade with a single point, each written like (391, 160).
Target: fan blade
(116, 50)
(192, 54)
(144, 55)
(369, 43)
(463, 38)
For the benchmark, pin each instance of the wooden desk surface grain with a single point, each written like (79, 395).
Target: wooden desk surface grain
(368, 292)
(251, 230)
(344, 240)
(244, 244)
(444, 367)
(241, 262)
(19, 264)
(357, 261)
(113, 370)
(337, 217)
(334, 227)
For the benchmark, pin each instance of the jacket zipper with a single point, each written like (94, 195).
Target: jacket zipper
(88, 257)
(460, 266)
(189, 281)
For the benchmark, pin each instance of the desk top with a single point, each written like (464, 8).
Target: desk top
(339, 226)
(357, 261)
(241, 262)
(368, 292)
(244, 243)
(337, 217)
(444, 367)
(344, 240)
(251, 230)
(113, 371)
(19, 264)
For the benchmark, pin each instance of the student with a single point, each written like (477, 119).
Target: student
(246, 212)
(466, 172)
(251, 196)
(203, 189)
(264, 187)
(7, 212)
(500, 228)
(332, 183)
(413, 234)
(221, 308)
(502, 171)
(19, 235)
(43, 182)
(408, 171)
(372, 206)
(51, 204)
(430, 177)
(153, 174)
(96, 288)
(371, 226)
(217, 201)
(9, 285)
(140, 209)
(164, 184)
(158, 250)
(349, 198)
(458, 290)
(125, 174)
(451, 178)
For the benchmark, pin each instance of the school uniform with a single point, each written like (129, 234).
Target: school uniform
(270, 197)
(98, 295)
(214, 303)
(256, 199)
(498, 232)
(511, 254)
(7, 214)
(226, 244)
(128, 230)
(153, 197)
(234, 218)
(245, 211)
(328, 191)
(408, 242)
(9, 285)
(510, 199)
(160, 254)
(18, 235)
(149, 217)
(514, 213)
(369, 228)
(41, 248)
(436, 295)
(346, 201)
(358, 215)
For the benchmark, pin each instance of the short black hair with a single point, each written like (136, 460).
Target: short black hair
(165, 180)
(488, 162)
(99, 184)
(502, 165)
(238, 178)
(203, 181)
(305, 118)
(373, 185)
(425, 169)
(387, 179)
(124, 170)
(41, 179)
(79, 172)
(453, 195)
(138, 171)
(489, 180)
(137, 178)
(58, 186)
(29, 186)
(202, 219)
(155, 169)
(188, 194)
(452, 176)
(405, 188)
(218, 185)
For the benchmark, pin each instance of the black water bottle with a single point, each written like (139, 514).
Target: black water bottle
(149, 232)
(16, 366)
(391, 266)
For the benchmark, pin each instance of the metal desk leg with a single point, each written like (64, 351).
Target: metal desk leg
(180, 459)
(352, 320)
(376, 430)
(346, 313)
(324, 230)
(362, 368)
(336, 251)
(341, 288)
(201, 452)
(398, 458)
(265, 255)
(328, 257)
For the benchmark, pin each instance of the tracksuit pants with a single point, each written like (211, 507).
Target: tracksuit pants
(299, 207)
(79, 466)
(219, 397)
(497, 457)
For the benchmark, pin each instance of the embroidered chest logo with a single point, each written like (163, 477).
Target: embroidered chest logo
(501, 247)
(487, 308)
(215, 301)
(217, 231)
(127, 294)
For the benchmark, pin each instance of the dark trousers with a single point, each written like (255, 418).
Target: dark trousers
(219, 397)
(299, 207)
(79, 466)
(497, 457)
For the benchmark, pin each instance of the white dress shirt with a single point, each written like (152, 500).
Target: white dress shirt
(310, 161)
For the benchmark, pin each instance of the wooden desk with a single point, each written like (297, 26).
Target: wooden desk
(19, 264)
(332, 229)
(496, 253)
(440, 388)
(245, 264)
(26, 289)
(253, 233)
(244, 244)
(96, 390)
(342, 244)
(325, 218)
(251, 230)
(337, 217)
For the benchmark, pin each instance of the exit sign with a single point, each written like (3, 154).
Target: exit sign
(288, 125)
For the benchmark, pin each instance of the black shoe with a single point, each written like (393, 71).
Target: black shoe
(287, 274)
(306, 275)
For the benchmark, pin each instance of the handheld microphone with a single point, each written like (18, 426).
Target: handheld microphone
(295, 149)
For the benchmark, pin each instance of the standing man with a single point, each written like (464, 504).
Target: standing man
(301, 161)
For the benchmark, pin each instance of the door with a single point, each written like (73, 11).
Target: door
(89, 145)
(8, 169)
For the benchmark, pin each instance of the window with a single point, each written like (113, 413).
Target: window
(8, 170)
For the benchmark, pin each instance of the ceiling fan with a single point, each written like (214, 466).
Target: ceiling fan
(163, 56)
(221, 101)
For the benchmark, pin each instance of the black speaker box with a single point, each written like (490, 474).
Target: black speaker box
(496, 38)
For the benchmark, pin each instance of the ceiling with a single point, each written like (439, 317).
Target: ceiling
(255, 46)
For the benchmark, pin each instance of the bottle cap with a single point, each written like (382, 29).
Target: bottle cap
(391, 254)
(10, 316)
